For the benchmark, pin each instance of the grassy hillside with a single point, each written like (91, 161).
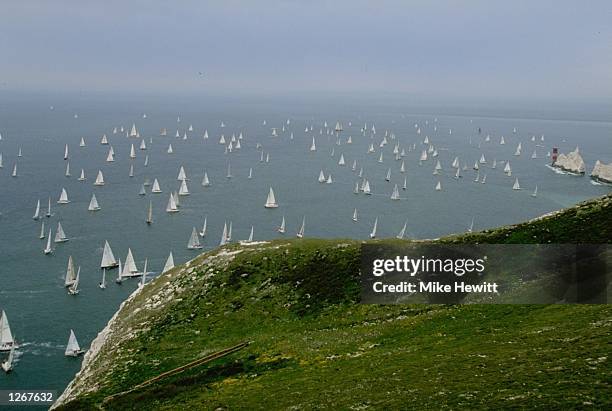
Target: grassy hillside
(312, 346)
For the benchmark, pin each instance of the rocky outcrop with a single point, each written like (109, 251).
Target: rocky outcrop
(602, 172)
(572, 162)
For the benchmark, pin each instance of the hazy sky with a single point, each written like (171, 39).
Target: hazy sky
(539, 49)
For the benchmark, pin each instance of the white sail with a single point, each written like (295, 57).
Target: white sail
(535, 192)
(313, 146)
(300, 233)
(224, 235)
(108, 258)
(133, 131)
(155, 188)
(6, 337)
(131, 173)
(60, 235)
(14, 173)
(205, 180)
(388, 176)
(169, 263)
(143, 145)
(183, 189)
(405, 183)
(439, 186)
(49, 248)
(66, 152)
(171, 207)
(42, 230)
(182, 175)
(70, 273)
(229, 170)
(82, 176)
(194, 240)
(129, 267)
(355, 215)
(321, 177)
(7, 365)
(99, 179)
(170, 149)
(72, 348)
(250, 239)
(402, 232)
(36, 215)
(82, 142)
(271, 200)
(281, 228)
(250, 176)
(366, 188)
(143, 190)
(341, 161)
(110, 157)
(49, 208)
(93, 204)
(102, 284)
(516, 185)
(482, 159)
(104, 140)
(395, 194)
(149, 219)
(373, 233)
(507, 168)
(146, 162)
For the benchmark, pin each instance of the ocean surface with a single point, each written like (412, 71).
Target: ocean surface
(32, 292)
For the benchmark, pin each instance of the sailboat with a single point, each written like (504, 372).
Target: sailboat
(42, 230)
(484, 179)
(229, 233)
(70, 277)
(229, 170)
(108, 258)
(300, 233)
(508, 169)
(281, 228)
(224, 235)
(172, 207)
(99, 179)
(271, 200)
(131, 173)
(14, 174)
(205, 180)
(194, 240)
(146, 162)
(143, 145)
(170, 149)
(355, 215)
(341, 162)
(82, 176)
(535, 192)
(93, 204)
(388, 176)
(102, 284)
(60, 236)
(181, 175)
(471, 227)
(149, 219)
(516, 185)
(169, 263)
(373, 233)
(439, 186)
(129, 267)
(119, 278)
(81, 143)
(49, 248)
(73, 349)
(366, 188)
(405, 183)
(7, 365)
(104, 140)
(329, 179)
(36, 215)
(155, 188)
(400, 235)
(250, 239)
(321, 177)
(203, 232)
(183, 189)
(73, 289)
(313, 146)
(395, 194)
(143, 278)
(143, 190)
(518, 150)
(110, 157)
(6, 337)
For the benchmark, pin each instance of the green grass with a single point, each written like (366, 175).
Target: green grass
(313, 346)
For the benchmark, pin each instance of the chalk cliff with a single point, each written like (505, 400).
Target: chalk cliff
(602, 172)
(571, 162)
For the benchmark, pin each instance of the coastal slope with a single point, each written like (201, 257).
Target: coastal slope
(310, 344)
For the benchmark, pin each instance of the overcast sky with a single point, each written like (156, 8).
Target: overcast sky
(540, 49)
